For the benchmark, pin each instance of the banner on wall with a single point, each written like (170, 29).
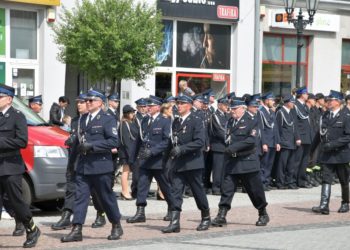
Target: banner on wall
(165, 53)
(202, 45)
(2, 33)
(223, 10)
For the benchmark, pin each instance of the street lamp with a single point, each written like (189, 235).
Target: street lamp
(300, 25)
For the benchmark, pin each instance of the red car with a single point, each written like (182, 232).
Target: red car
(46, 159)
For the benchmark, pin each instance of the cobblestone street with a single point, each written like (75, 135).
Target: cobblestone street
(292, 226)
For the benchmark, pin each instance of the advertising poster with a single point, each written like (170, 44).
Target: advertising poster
(2, 33)
(165, 54)
(202, 45)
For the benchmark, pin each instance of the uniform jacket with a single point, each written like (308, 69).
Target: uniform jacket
(269, 130)
(241, 139)
(301, 116)
(286, 127)
(129, 139)
(55, 115)
(217, 131)
(102, 133)
(115, 115)
(13, 137)
(204, 117)
(190, 138)
(336, 132)
(156, 137)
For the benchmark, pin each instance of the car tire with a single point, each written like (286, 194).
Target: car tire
(26, 191)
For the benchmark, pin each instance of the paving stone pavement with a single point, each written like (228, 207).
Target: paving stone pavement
(292, 226)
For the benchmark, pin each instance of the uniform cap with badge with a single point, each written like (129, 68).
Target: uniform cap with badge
(81, 97)
(184, 99)
(223, 100)
(198, 97)
(141, 102)
(237, 102)
(154, 100)
(7, 91)
(95, 93)
(268, 95)
(114, 97)
(301, 90)
(36, 99)
(169, 99)
(335, 95)
(254, 100)
(288, 98)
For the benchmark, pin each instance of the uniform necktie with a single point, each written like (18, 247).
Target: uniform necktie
(332, 115)
(180, 120)
(1, 114)
(150, 121)
(90, 118)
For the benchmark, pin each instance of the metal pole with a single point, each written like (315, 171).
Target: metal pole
(299, 27)
(257, 86)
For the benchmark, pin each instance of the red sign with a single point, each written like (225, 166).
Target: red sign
(219, 77)
(227, 12)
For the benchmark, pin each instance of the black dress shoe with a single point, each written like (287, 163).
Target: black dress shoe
(138, 217)
(75, 235)
(263, 218)
(174, 226)
(167, 217)
(32, 237)
(220, 219)
(344, 208)
(281, 187)
(100, 220)
(64, 222)
(205, 222)
(116, 232)
(19, 229)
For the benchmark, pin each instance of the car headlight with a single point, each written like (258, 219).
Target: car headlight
(49, 152)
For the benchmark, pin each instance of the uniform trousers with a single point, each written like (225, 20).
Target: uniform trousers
(208, 156)
(252, 184)
(144, 184)
(12, 186)
(70, 193)
(301, 163)
(194, 179)
(267, 161)
(101, 183)
(342, 171)
(218, 166)
(284, 167)
(135, 178)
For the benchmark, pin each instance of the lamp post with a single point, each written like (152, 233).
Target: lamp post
(300, 25)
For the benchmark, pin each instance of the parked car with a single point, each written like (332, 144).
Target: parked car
(45, 159)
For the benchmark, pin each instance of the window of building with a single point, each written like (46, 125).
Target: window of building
(23, 34)
(279, 63)
(345, 69)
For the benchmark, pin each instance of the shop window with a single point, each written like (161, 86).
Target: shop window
(163, 85)
(23, 80)
(345, 71)
(272, 49)
(165, 53)
(23, 34)
(279, 63)
(219, 83)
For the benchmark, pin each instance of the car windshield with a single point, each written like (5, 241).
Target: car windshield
(33, 119)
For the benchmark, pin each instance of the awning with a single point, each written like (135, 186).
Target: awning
(38, 2)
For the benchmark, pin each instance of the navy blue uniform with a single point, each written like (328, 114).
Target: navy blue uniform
(302, 122)
(95, 168)
(269, 137)
(242, 162)
(156, 138)
(217, 144)
(285, 158)
(189, 136)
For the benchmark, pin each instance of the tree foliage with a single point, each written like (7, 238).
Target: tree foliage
(110, 39)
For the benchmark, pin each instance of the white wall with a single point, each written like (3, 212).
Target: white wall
(243, 67)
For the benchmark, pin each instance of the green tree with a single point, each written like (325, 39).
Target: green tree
(110, 39)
